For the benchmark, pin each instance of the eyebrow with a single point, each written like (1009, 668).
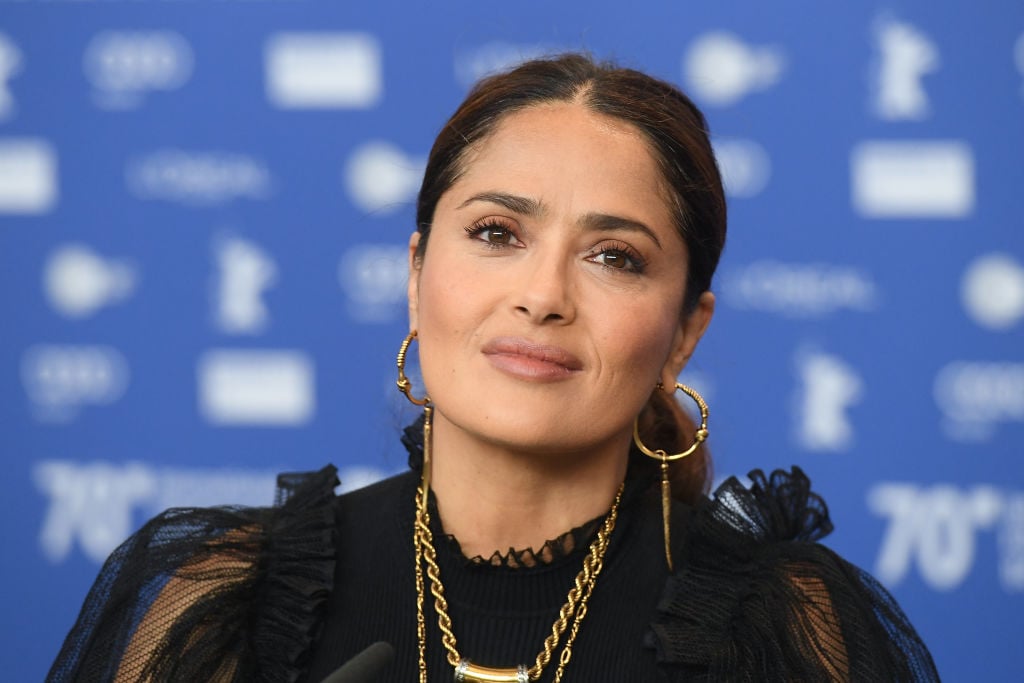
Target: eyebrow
(604, 222)
(527, 206)
(520, 205)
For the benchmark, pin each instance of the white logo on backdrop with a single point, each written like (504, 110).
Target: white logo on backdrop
(828, 387)
(936, 528)
(745, 166)
(125, 66)
(28, 176)
(91, 504)
(905, 55)
(197, 178)
(374, 278)
(381, 179)
(264, 387)
(495, 57)
(10, 65)
(78, 281)
(244, 271)
(323, 70)
(61, 380)
(976, 396)
(799, 290)
(1011, 544)
(97, 504)
(992, 291)
(720, 69)
(912, 179)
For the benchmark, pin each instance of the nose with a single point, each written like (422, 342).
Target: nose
(546, 293)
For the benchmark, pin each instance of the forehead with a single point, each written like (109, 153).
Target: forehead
(564, 147)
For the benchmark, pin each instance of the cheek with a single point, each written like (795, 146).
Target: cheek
(438, 287)
(640, 337)
(451, 300)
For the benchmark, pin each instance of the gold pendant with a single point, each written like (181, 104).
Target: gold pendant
(467, 672)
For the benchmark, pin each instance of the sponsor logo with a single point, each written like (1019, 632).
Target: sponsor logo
(720, 69)
(10, 66)
(61, 380)
(975, 397)
(992, 291)
(745, 165)
(96, 505)
(78, 281)
(381, 179)
(124, 66)
(904, 55)
(197, 178)
(28, 176)
(262, 388)
(1011, 544)
(323, 70)
(799, 290)
(912, 179)
(828, 388)
(495, 57)
(935, 530)
(373, 278)
(244, 272)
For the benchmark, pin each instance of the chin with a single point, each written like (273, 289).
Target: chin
(550, 435)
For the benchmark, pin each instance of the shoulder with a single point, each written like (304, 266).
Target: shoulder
(757, 596)
(227, 593)
(385, 491)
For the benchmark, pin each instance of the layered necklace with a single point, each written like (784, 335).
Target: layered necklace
(572, 612)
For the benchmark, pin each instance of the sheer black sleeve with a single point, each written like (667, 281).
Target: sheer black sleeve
(213, 594)
(757, 599)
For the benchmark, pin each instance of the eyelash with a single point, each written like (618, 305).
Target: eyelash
(476, 231)
(635, 263)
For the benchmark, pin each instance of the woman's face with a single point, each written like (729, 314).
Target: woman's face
(549, 300)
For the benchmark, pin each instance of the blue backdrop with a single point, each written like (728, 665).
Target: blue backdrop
(204, 208)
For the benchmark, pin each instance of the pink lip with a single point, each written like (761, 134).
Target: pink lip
(528, 360)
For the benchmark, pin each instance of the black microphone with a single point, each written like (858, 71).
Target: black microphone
(365, 666)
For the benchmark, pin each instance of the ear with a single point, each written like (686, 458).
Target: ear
(691, 329)
(413, 288)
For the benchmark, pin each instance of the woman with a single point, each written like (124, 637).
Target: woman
(570, 220)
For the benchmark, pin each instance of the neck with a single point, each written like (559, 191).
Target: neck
(492, 497)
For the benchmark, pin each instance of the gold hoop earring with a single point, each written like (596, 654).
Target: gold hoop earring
(404, 385)
(699, 437)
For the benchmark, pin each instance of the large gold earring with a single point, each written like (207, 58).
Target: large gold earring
(405, 386)
(665, 458)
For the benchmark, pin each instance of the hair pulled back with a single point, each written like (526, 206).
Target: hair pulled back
(677, 136)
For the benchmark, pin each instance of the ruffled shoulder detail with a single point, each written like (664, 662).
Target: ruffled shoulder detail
(773, 509)
(756, 598)
(296, 576)
(231, 593)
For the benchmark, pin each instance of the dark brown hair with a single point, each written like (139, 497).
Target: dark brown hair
(677, 135)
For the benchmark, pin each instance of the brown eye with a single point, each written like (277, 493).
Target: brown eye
(493, 234)
(498, 235)
(613, 259)
(622, 258)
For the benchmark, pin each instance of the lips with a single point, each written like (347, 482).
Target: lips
(529, 360)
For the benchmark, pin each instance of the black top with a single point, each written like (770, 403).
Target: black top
(290, 593)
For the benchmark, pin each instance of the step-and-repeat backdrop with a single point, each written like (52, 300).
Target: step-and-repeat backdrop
(204, 208)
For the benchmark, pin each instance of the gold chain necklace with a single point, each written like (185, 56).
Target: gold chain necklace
(574, 609)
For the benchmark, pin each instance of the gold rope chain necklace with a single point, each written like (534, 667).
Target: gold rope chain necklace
(574, 609)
